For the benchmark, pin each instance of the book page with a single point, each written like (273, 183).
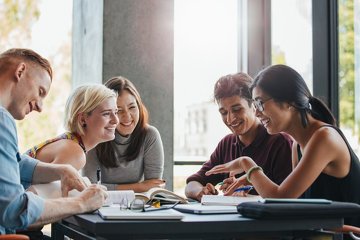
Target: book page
(164, 194)
(228, 200)
(142, 196)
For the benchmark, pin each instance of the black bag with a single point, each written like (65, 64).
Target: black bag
(295, 210)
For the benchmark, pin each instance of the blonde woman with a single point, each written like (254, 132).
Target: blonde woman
(90, 119)
(134, 160)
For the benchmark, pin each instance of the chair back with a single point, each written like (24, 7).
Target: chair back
(14, 237)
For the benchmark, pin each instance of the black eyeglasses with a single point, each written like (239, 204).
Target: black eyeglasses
(139, 205)
(259, 104)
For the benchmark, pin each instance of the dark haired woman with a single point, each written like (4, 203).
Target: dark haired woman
(134, 160)
(324, 165)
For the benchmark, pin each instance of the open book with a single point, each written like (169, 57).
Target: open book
(125, 197)
(228, 200)
(161, 194)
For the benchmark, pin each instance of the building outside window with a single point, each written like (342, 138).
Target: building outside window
(205, 49)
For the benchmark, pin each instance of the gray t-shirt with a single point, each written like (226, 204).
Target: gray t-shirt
(149, 164)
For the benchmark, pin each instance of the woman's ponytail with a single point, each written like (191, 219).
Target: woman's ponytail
(320, 111)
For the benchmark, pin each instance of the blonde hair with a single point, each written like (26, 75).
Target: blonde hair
(84, 99)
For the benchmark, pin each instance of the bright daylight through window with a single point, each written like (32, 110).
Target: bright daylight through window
(205, 49)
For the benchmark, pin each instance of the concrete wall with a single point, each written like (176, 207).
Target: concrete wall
(137, 43)
(87, 42)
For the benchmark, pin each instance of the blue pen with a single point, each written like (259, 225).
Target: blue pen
(245, 188)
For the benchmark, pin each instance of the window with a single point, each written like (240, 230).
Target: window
(205, 49)
(44, 26)
(292, 45)
(349, 70)
(291, 36)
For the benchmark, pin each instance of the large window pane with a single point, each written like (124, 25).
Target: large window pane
(291, 36)
(205, 49)
(349, 70)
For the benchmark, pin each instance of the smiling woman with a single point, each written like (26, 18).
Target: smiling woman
(91, 118)
(135, 159)
(128, 113)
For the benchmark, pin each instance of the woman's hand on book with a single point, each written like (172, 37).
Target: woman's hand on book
(143, 186)
(154, 183)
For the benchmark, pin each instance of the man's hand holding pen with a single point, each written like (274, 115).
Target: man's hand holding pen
(224, 185)
(238, 184)
(234, 186)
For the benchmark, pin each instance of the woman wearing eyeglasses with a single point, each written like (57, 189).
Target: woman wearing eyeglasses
(324, 165)
(134, 160)
(248, 138)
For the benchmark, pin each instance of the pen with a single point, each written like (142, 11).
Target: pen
(98, 176)
(245, 188)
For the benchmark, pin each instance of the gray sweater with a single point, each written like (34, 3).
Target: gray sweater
(149, 164)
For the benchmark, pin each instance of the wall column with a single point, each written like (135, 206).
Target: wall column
(137, 42)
